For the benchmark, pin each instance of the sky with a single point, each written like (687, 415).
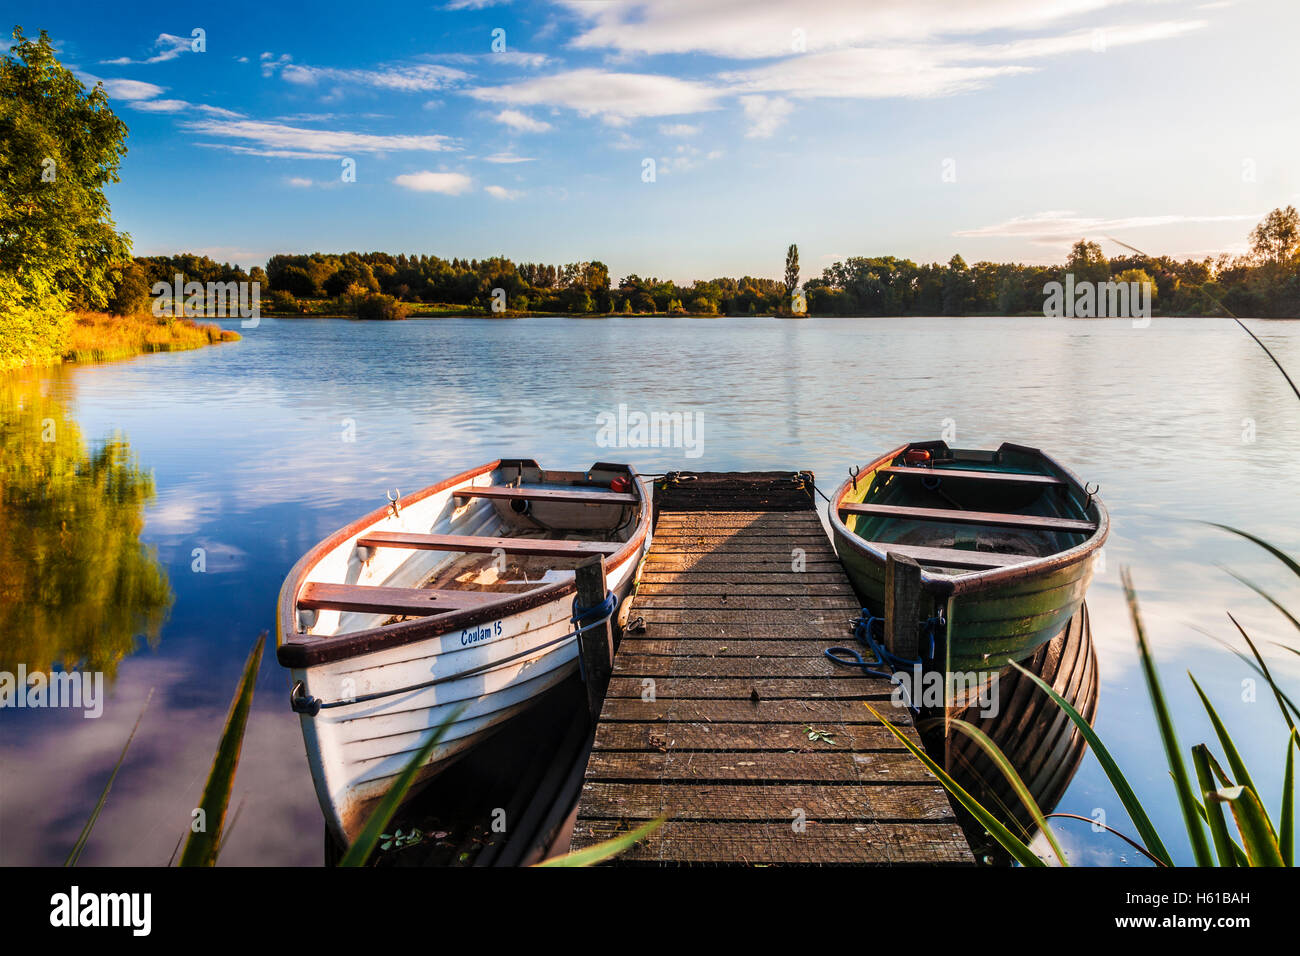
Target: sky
(689, 139)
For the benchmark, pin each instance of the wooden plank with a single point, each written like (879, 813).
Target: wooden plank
(814, 619)
(882, 844)
(728, 689)
(543, 547)
(721, 646)
(985, 518)
(753, 602)
(596, 640)
(813, 768)
(801, 710)
(628, 665)
(773, 582)
(963, 475)
(382, 600)
(902, 606)
(759, 735)
(616, 800)
(688, 587)
(953, 557)
(561, 496)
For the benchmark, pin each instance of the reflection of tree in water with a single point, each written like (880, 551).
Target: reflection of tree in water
(76, 584)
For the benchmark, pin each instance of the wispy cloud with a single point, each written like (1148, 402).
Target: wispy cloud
(279, 137)
(500, 192)
(614, 97)
(521, 122)
(507, 158)
(678, 129)
(1056, 226)
(765, 114)
(449, 184)
(169, 47)
(409, 78)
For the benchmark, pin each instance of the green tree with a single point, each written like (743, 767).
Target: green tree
(61, 147)
(791, 270)
(1276, 240)
(1088, 262)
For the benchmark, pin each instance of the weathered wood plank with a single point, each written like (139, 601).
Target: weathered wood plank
(768, 602)
(812, 768)
(883, 844)
(737, 688)
(800, 711)
(722, 647)
(706, 736)
(628, 665)
(687, 587)
(615, 800)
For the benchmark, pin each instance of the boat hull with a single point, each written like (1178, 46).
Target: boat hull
(991, 617)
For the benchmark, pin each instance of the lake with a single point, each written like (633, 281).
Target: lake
(259, 448)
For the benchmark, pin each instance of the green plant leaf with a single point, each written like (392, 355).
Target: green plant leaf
(1018, 849)
(1017, 783)
(1253, 824)
(1267, 597)
(1280, 697)
(373, 831)
(1286, 821)
(1173, 753)
(1132, 806)
(1240, 775)
(1212, 811)
(80, 845)
(1282, 556)
(608, 848)
(201, 849)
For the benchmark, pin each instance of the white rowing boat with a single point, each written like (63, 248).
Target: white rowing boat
(459, 597)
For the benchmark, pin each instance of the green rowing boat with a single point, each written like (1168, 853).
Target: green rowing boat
(988, 552)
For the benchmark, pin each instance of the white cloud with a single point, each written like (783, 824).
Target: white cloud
(169, 48)
(300, 182)
(407, 78)
(765, 114)
(615, 97)
(678, 129)
(1054, 227)
(507, 158)
(279, 137)
(449, 184)
(521, 122)
(128, 89)
(500, 192)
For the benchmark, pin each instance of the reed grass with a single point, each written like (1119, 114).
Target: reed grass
(1258, 841)
(99, 337)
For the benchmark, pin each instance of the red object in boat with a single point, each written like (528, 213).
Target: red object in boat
(622, 484)
(916, 455)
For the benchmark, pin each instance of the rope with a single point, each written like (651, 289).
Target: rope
(586, 618)
(863, 627)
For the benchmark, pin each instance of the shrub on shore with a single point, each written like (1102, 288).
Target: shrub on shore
(98, 337)
(34, 320)
(376, 305)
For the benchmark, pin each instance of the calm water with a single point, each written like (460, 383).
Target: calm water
(248, 447)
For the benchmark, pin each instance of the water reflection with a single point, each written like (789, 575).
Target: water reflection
(1038, 739)
(78, 585)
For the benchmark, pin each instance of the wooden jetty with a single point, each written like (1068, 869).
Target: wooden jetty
(723, 712)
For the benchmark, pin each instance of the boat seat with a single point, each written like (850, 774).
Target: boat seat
(320, 596)
(545, 547)
(961, 475)
(987, 518)
(953, 557)
(559, 495)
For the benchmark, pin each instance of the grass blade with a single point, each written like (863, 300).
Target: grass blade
(80, 845)
(1111, 830)
(1018, 849)
(201, 848)
(1240, 775)
(1286, 822)
(1213, 811)
(607, 849)
(1173, 753)
(1267, 597)
(1263, 668)
(368, 838)
(1282, 556)
(1256, 830)
(1000, 760)
(1132, 806)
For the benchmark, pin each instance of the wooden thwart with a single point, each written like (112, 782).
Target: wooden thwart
(988, 518)
(380, 600)
(543, 547)
(961, 475)
(953, 557)
(561, 496)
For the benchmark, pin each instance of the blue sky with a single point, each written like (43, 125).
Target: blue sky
(1001, 130)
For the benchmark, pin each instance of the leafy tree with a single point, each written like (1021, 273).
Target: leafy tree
(1088, 262)
(62, 147)
(131, 291)
(1276, 240)
(791, 269)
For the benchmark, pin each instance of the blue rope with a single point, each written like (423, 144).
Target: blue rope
(863, 630)
(585, 618)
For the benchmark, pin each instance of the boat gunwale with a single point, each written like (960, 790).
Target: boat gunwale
(295, 649)
(950, 585)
